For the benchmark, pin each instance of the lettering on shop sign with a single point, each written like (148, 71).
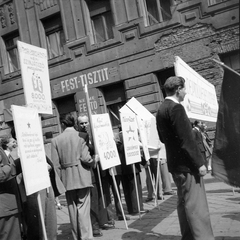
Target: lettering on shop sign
(89, 79)
(75, 82)
(93, 101)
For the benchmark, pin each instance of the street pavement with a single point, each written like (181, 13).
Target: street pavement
(161, 221)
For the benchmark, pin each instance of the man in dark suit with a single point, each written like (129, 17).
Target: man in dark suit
(185, 162)
(10, 205)
(199, 138)
(99, 215)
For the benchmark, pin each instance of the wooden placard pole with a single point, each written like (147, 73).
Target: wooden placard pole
(41, 216)
(157, 180)
(95, 149)
(136, 187)
(118, 196)
(154, 190)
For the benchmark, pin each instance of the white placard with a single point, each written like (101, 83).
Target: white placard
(35, 77)
(148, 121)
(30, 143)
(130, 138)
(200, 101)
(104, 141)
(143, 137)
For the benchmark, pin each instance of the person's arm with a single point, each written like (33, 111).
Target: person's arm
(55, 157)
(86, 157)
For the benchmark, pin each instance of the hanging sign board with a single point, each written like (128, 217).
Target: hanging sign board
(82, 102)
(30, 143)
(130, 138)
(35, 77)
(200, 101)
(104, 141)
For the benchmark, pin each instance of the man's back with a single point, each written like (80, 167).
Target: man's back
(72, 159)
(175, 131)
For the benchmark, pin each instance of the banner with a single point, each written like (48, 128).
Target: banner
(104, 141)
(130, 138)
(30, 144)
(200, 101)
(35, 77)
(226, 151)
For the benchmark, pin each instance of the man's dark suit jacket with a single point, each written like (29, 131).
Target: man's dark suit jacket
(199, 139)
(175, 130)
(9, 195)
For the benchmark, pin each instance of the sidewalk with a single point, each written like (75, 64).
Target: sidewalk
(162, 223)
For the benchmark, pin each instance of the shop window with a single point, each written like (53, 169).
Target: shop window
(232, 60)
(11, 59)
(213, 2)
(114, 96)
(101, 20)
(162, 76)
(155, 11)
(55, 38)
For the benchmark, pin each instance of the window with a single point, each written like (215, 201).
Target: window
(232, 60)
(101, 20)
(213, 2)
(114, 96)
(155, 11)
(11, 63)
(55, 38)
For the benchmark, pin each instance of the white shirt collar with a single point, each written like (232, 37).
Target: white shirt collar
(172, 98)
(7, 152)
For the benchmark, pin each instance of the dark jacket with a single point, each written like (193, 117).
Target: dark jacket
(9, 196)
(175, 130)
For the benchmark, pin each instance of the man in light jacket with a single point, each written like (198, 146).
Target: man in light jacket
(72, 161)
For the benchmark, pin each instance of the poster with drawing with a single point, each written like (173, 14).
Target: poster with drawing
(104, 141)
(130, 138)
(35, 77)
(31, 148)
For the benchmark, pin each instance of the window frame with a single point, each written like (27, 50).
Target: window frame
(55, 29)
(101, 13)
(146, 14)
(214, 2)
(6, 59)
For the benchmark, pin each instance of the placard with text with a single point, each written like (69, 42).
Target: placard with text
(130, 138)
(31, 148)
(104, 141)
(35, 77)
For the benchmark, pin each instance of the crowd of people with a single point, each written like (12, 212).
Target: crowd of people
(74, 169)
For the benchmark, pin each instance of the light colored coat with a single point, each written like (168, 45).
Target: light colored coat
(72, 160)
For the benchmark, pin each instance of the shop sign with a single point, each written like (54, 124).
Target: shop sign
(82, 102)
(93, 78)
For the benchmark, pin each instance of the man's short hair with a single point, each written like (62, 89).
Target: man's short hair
(196, 122)
(67, 119)
(4, 142)
(172, 84)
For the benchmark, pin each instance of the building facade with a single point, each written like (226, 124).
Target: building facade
(119, 48)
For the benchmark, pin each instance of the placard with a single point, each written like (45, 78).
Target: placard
(104, 141)
(31, 148)
(200, 101)
(35, 77)
(148, 121)
(130, 138)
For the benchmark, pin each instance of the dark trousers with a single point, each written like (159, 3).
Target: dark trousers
(10, 227)
(129, 190)
(193, 212)
(32, 215)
